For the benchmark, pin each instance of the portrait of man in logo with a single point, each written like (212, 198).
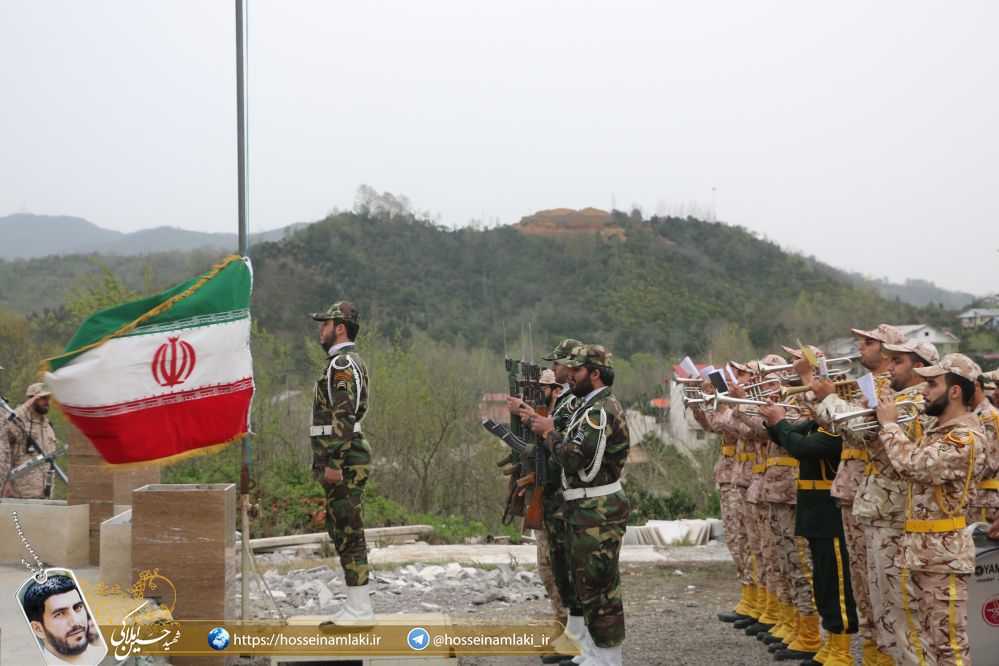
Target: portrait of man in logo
(61, 620)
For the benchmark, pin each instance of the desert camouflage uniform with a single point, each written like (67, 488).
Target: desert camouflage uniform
(728, 430)
(879, 507)
(339, 405)
(595, 525)
(941, 469)
(853, 463)
(758, 509)
(985, 505)
(32, 484)
(557, 579)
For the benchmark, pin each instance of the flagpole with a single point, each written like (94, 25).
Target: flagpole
(244, 473)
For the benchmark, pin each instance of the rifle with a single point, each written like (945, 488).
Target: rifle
(534, 395)
(39, 458)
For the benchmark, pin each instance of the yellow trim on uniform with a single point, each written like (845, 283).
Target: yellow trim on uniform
(831, 434)
(906, 610)
(814, 484)
(782, 461)
(759, 469)
(940, 525)
(853, 454)
(989, 484)
(871, 470)
(841, 584)
(728, 450)
(744, 457)
(951, 620)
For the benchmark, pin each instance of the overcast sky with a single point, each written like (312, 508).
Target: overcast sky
(865, 133)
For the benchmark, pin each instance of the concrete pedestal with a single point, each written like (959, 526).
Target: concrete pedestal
(56, 531)
(116, 550)
(188, 532)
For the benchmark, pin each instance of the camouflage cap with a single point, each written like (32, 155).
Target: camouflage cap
(958, 364)
(37, 390)
(563, 350)
(992, 375)
(342, 310)
(883, 333)
(589, 354)
(547, 377)
(741, 367)
(921, 348)
(773, 359)
(796, 353)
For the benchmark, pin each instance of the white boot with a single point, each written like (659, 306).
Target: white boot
(587, 647)
(570, 640)
(356, 611)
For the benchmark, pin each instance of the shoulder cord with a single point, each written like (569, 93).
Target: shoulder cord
(938, 490)
(357, 379)
(588, 475)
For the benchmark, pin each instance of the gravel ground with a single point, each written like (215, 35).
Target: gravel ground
(671, 607)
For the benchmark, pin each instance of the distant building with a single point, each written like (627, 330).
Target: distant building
(979, 318)
(945, 341)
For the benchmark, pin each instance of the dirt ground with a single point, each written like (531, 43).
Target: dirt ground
(671, 619)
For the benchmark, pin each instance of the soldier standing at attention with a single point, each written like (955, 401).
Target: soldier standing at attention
(341, 456)
(33, 413)
(941, 469)
(592, 452)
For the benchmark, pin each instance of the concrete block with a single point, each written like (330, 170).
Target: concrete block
(58, 532)
(116, 550)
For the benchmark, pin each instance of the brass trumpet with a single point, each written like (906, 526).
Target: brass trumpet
(908, 410)
(846, 389)
(835, 366)
(794, 412)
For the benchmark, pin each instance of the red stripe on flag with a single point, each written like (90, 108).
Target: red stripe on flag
(167, 430)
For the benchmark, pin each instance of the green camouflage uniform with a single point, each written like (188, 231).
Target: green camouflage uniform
(339, 404)
(595, 525)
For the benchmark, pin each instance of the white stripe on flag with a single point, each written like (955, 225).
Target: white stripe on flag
(121, 370)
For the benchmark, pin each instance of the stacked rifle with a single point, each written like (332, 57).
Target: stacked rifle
(527, 462)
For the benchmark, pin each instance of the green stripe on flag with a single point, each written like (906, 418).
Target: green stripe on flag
(225, 293)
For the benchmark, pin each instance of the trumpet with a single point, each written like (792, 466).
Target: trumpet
(794, 412)
(908, 410)
(835, 366)
(846, 389)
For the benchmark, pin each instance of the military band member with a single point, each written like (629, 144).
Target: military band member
(592, 452)
(985, 505)
(819, 521)
(853, 463)
(33, 416)
(879, 505)
(941, 469)
(341, 456)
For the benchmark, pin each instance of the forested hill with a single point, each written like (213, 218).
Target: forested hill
(662, 285)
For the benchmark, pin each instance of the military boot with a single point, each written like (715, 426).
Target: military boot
(807, 641)
(356, 611)
(820, 656)
(839, 651)
(745, 605)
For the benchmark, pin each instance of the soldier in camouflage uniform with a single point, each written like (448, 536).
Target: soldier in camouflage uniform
(853, 463)
(941, 469)
(554, 535)
(4, 456)
(879, 505)
(33, 413)
(341, 456)
(985, 505)
(592, 452)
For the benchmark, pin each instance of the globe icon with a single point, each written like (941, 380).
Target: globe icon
(218, 638)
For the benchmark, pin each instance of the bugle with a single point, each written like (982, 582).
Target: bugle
(834, 366)
(794, 412)
(908, 410)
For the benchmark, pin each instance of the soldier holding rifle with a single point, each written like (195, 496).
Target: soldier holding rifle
(33, 419)
(592, 451)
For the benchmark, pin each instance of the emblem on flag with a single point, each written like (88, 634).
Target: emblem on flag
(173, 362)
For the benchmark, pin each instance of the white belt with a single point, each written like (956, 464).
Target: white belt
(595, 491)
(320, 431)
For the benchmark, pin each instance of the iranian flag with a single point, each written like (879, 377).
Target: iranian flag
(164, 376)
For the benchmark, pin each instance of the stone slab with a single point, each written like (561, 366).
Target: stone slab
(57, 532)
(116, 550)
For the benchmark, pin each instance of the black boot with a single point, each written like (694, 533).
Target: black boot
(742, 624)
(787, 655)
(770, 639)
(754, 629)
(776, 646)
(810, 662)
(553, 659)
(731, 616)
